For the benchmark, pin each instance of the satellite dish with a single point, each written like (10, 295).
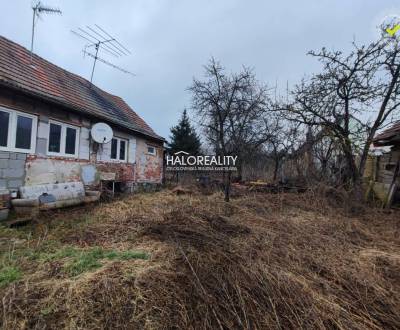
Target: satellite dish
(101, 133)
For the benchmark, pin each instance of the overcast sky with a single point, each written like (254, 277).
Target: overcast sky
(171, 40)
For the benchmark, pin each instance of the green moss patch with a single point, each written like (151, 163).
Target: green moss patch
(9, 274)
(83, 260)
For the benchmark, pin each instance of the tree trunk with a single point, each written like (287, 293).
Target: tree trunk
(239, 171)
(276, 167)
(351, 168)
(355, 177)
(227, 187)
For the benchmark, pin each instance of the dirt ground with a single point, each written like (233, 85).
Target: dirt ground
(162, 261)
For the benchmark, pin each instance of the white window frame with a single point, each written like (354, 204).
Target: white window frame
(118, 149)
(64, 127)
(154, 153)
(12, 131)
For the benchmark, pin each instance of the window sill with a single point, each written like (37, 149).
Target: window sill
(22, 151)
(117, 161)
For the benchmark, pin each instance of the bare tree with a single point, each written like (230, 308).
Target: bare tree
(284, 140)
(351, 98)
(327, 153)
(231, 109)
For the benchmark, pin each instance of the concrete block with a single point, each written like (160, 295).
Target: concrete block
(84, 155)
(15, 184)
(4, 163)
(13, 155)
(84, 149)
(132, 151)
(21, 156)
(4, 155)
(13, 173)
(43, 130)
(41, 146)
(85, 133)
(84, 143)
(16, 163)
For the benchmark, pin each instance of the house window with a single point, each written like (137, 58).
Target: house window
(17, 131)
(114, 148)
(63, 140)
(151, 150)
(70, 141)
(4, 124)
(122, 149)
(24, 132)
(55, 138)
(118, 149)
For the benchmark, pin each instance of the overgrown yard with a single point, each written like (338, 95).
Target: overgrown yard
(161, 261)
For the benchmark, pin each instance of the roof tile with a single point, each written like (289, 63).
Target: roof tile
(388, 133)
(56, 84)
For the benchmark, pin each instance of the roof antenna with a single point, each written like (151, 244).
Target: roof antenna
(38, 9)
(101, 40)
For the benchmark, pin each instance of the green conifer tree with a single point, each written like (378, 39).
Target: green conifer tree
(184, 137)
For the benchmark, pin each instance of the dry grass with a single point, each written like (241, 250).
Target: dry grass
(262, 261)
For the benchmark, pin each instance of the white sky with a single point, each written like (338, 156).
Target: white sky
(171, 41)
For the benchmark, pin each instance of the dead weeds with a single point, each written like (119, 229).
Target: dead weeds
(273, 261)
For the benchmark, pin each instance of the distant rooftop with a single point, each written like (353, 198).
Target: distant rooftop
(389, 136)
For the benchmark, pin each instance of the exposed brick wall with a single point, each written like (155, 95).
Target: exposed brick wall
(124, 171)
(148, 167)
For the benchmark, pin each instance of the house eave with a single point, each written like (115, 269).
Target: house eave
(69, 107)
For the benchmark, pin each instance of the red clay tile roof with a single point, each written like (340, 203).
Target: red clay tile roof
(387, 135)
(52, 83)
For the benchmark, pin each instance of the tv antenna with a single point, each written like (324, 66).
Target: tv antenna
(99, 39)
(39, 9)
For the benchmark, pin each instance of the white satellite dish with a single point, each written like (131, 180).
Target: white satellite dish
(101, 133)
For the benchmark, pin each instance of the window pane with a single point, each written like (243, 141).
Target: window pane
(70, 141)
(24, 132)
(122, 147)
(151, 150)
(4, 121)
(54, 138)
(114, 143)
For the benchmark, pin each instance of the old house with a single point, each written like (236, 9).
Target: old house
(382, 168)
(46, 116)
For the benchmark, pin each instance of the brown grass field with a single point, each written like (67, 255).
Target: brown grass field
(161, 261)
